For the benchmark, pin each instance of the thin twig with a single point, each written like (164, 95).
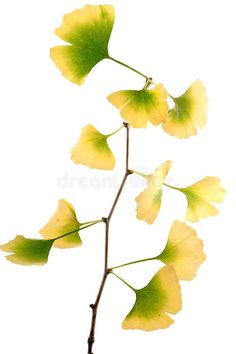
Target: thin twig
(94, 306)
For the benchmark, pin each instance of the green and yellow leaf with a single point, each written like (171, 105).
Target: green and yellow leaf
(26, 251)
(200, 197)
(63, 222)
(184, 251)
(92, 150)
(149, 201)
(189, 112)
(139, 107)
(153, 302)
(88, 31)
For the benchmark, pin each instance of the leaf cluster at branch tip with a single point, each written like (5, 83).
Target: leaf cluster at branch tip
(88, 32)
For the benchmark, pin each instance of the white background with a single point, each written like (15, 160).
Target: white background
(45, 309)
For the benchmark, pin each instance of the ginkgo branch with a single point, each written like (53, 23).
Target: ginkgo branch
(87, 32)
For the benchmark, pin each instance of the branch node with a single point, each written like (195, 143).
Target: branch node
(104, 219)
(148, 83)
(126, 125)
(130, 172)
(91, 340)
(92, 306)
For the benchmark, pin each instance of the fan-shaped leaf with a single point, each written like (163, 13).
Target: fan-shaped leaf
(88, 31)
(26, 251)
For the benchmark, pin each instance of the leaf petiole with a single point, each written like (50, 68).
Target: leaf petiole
(116, 131)
(123, 281)
(172, 187)
(91, 223)
(139, 173)
(134, 262)
(129, 67)
(173, 98)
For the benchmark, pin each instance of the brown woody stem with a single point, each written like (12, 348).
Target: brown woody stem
(94, 307)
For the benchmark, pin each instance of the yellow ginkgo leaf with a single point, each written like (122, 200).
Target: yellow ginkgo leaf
(92, 150)
(139, 107)
(149, 201)
(184, 251)
(153, 302)
(26, 251)
(200, 196)
(190, 110)
(88, 31)
(63, 222)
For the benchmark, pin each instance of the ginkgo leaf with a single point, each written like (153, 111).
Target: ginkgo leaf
(153, 302)
(190, 110)
(184, 251)
(200, 196)
(88, 31)
(63, 222)
(149, 201)
(92, 150)
(26, 251)
(139, 107)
